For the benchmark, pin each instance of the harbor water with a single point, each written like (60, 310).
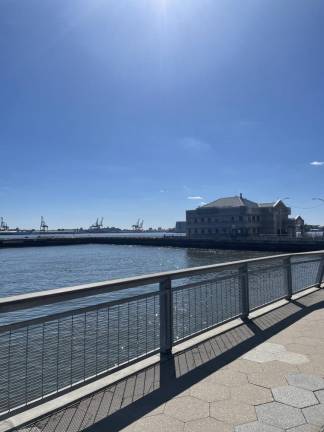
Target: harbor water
(46, 357)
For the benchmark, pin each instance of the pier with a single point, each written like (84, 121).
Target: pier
(274, 244)
(231, 346)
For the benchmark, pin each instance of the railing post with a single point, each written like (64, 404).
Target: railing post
(166, 320)
(320, 274)
(287, 263)
(244, 288)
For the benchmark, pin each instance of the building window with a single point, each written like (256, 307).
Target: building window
(216, 230)
(195, 220)
(241, 218)
(202, 231)
(209, 220)
(202, 220)
(196, 231)
(216, 220)
(249, 218)
(224, 230)
(189, 231)
(209, 231)
(258, 218)
(233, 218)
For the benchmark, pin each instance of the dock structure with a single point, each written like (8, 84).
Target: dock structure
(274, 244)
(236, 346)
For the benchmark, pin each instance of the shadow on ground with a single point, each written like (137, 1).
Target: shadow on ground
(118, 405)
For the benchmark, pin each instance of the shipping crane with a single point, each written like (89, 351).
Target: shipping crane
(97, 225)
(3, 225)
(43, 226)
(138, 226)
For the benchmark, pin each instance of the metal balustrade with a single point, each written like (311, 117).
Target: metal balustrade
(58, 348)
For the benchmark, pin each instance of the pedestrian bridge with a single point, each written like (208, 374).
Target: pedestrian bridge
(229, 346)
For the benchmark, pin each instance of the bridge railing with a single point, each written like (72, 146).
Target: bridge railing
(55, 340)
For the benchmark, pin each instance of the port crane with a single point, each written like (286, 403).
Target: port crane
(138, 226)
(3, 225)
(43, 226)
(97, 225)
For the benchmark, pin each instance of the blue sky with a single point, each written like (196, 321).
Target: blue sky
(126, 108)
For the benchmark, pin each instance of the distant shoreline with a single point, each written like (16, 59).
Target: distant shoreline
(165, 240)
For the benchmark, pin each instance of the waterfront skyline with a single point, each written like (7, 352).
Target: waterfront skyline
(145, 109)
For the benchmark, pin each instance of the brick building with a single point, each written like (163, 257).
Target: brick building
(238, 217)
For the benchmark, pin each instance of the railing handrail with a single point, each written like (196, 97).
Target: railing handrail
(40, 298)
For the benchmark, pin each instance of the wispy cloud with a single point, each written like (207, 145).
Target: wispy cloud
(317, 163)
(194, 144)
(195, 197)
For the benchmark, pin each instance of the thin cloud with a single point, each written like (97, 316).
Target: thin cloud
(194, 144)
(317, 163)
(194, 197)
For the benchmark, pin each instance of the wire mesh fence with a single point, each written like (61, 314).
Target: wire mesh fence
(200, 306)
(47, 355)
(306, 272)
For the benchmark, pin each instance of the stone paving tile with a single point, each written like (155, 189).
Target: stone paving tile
(315, 414)
(208, 424)
(294, 396)
(267, 379)
(293, 358)
(210, 391)
(320, 395)
(302, 348)
(158, 423)
(271, 347)
(251, 394)
(279, 415)
(228, 377)
(182, 394)
(304, 428)
(313, 367)
(283, 338)
(260, 356)
(309, 341)
(279, 367)
(268, 352)
(256, 427)
(307, 382)
(155, 411)
(316, 357)
(246, 366)
(232, 412)
(187, 408)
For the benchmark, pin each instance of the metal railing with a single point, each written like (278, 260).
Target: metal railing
(50, 344)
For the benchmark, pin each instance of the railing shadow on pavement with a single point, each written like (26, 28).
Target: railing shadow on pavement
(124, 402)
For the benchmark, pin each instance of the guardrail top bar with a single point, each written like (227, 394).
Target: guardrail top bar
(40, 298)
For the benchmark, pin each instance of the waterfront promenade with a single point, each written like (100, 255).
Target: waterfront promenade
(264, 374)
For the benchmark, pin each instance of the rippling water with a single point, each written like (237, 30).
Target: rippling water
(40, 268)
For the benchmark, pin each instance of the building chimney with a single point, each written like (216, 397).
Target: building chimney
(241, 196)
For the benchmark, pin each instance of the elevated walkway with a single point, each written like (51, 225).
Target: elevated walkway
(264, 374)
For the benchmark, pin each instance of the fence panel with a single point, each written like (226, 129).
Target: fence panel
(37, 360)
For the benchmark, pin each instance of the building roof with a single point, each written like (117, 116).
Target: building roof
(272, 204)
(267, 204)
(235, 201)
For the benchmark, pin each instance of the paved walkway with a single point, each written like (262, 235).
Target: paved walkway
(265, 375)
